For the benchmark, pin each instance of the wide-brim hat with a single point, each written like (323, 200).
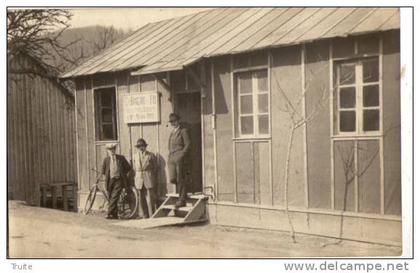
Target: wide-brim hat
(141, 142)
(173, 117)
(111, 146)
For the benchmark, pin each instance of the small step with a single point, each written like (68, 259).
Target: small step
(172, 207)
(192, 196)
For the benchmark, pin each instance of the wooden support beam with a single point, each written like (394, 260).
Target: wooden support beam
(195, 77)
(331, 94)
(305, 138)
(165, 85)
(203, 133)
(203, 80)
(213, 111)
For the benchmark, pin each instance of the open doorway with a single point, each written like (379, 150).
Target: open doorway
(188, 106)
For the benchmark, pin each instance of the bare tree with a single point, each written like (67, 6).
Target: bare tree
(106, 37)
(350, 171)
(89, 42)
(298, 119)
(36, 32)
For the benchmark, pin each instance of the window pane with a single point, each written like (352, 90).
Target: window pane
(263, 103)
(247, 125)
(347, 97)
(245, 83)
(347, 73)
(106, 115)
(262, 80)
(263, 124)
(106, 98)
(347, 121)
(371, 70)
(370, 120)
(246, 104)
(107, 131)
(370, 95)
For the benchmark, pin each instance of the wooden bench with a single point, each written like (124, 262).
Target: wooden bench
(57, 189)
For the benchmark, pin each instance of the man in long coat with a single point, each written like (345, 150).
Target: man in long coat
(115, 168)
(179, 147)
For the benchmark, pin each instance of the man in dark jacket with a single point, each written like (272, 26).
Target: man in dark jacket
(115, 168)
(179, 146)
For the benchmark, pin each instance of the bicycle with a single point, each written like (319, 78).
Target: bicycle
(127, 203)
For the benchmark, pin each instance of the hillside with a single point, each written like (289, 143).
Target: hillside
(83, 43)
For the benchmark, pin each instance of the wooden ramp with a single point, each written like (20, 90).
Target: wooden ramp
(168, 215)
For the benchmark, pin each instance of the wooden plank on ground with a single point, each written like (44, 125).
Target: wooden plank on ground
(151, 222)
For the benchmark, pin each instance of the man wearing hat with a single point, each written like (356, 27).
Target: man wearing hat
(144, 180)
(115, 168)
(179, 147)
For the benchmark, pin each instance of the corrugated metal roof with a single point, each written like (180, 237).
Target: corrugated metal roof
(171, 44)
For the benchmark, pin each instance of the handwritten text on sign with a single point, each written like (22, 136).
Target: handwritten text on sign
(141, 107)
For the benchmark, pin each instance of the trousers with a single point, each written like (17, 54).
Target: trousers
(114, 191)
(146, 206)
(177, 175)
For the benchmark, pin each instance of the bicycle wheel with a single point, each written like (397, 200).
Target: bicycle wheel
(90, 199)
(128, 203)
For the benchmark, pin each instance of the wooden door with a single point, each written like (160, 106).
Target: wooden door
(189, 108)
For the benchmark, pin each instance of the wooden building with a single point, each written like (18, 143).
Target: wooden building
(240, 78)
(40, 130)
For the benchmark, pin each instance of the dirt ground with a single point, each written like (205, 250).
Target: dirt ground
(41, 232)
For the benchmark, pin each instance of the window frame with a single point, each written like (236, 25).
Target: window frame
(98, 117)
(255, 92)
(358, 86)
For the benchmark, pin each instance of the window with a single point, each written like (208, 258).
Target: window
(252, 104)
(105, 111)
(357, 96)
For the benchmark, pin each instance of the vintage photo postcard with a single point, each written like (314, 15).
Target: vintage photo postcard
(207, 132)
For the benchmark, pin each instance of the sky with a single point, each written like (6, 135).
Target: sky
(126, 18)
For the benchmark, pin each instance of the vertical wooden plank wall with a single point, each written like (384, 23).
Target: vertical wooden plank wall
(41, 139)
(262, 166)
(14, 151)
(124, 131)
(392, 122)
(223, 109)
(245, 173)
(134, 129)
(286, 78)
(81, 135)
(369, 197)
(90, 134)
(208, 127)
(318, 130)
(166, 106)
(149, 130)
